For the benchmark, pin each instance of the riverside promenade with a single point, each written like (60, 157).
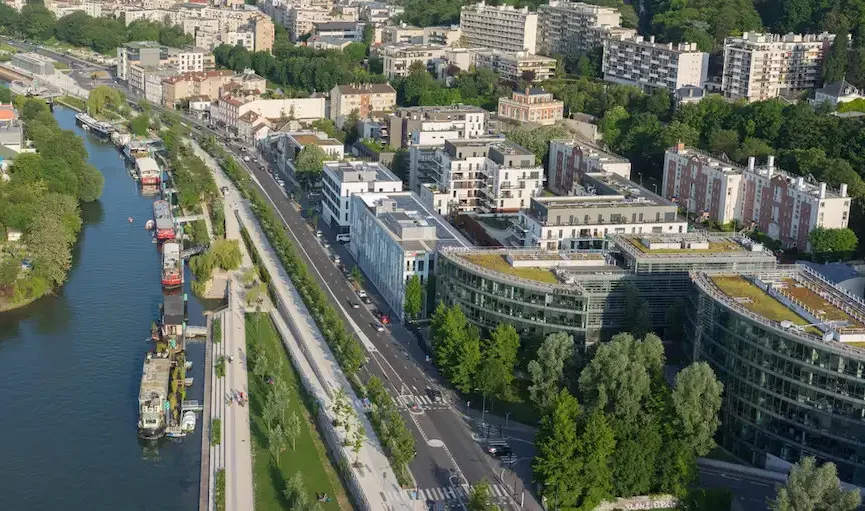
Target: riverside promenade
(372, 481)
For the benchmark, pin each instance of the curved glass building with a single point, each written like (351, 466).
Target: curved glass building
(787, 346)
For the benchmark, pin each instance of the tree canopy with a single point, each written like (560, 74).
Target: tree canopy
(814, 488)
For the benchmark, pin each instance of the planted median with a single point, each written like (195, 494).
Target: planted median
(394, 435)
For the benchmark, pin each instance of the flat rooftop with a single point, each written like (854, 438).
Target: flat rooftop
(410, 212)
(355, 171)
(558, 268)
(799, 300)
(308, 138)
(689, 244)
(154, 378)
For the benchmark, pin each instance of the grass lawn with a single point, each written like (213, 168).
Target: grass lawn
(497, 262)
(761, 303)
(309, 457)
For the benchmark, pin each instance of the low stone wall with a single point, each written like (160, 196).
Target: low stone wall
(642, 502)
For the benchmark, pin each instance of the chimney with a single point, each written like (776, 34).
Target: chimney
(800, 183)
(822, 189)
(652, 39)
(751, 162)
(770, 162)
(680, 147)
(843, 189)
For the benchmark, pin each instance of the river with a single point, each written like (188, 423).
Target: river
(70, 368)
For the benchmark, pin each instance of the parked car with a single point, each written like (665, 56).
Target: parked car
(378, 327)
(318, 234)
(367, 300)
(499, 451)
(361, 293)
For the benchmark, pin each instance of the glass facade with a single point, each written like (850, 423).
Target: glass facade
(785, 396)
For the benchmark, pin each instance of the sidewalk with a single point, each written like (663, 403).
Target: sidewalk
(375, 481)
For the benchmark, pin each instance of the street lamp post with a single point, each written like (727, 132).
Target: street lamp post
(507, 416)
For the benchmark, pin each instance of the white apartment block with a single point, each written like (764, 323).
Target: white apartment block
(486, 175)
(765, 66)
(394, 236)
(650, 65)
(398, 59)
(570, 160)
(784, 206)
(341, 180)
(572, 28)
(513, 66)
(403, 34)
(151, 55)
(605, 203)
(500, 27)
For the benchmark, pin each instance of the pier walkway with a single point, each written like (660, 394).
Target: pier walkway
(373, 486)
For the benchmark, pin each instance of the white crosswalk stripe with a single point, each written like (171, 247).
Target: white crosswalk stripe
(450, 493)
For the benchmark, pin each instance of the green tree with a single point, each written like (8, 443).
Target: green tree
(275, 442)
(835, 62)
(139, 125)
(309, 163)
(499, 353)
(556, 465)
(456, 344)
(481, 497)
(142, 30)
(413, 296)
(697, 400)
(5, 93)
(368, 34)
(292, 429)
(547, 370)
(833, 244)
(537, 139)
(613, 124)
(724, 142)
(73, 28)
(813, 488)
(357, 275)
(295, 492)
(355, 52)
(36, 21)
(619, 377)
(51, 244)
(595, 448)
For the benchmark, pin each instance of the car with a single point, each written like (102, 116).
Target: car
(246, 158)
(434, 394)
(499, 451)
(343, 238)
(336, 259)
(378, 327)
(367, 300)
(325, 244)
(318, 234)
(361, 293)
(354, 305)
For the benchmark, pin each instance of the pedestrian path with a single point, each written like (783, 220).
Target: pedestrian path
(448, 493)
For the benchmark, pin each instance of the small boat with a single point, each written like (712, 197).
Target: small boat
(188, 365)
(188, 381)
(149, 225)
(130, 219)
(187, 423)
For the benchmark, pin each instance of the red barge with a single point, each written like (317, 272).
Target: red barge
(172, 265)
(148, 171)
(164, 220)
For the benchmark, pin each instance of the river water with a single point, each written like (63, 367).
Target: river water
(70, 368)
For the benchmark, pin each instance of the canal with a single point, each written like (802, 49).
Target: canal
(70, 368)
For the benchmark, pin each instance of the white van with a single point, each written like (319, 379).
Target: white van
(343, 238)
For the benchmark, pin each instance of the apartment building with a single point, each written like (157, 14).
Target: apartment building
(228, 109)
(394, 236)
(764, 66)
(205, 83)
(534, 105)
(398, 59)
(500, 27)
(369, 99)
(650, 65)
(347, 30)
(784, 206)
(341, 180)
(288, 145)
(572, 28)
(300, 19)
(486, 175)
(570, 160)
(152, 55)
(606, 203)
(516, 66)
(402, 34)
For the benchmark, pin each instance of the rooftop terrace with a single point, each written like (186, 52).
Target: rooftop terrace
(689, 245)
(535, 265)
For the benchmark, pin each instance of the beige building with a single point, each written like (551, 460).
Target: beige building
(532, 105)
(765, 66)
(229, 109)
(398, 59)
(402, 34)
(650, 65)
(573, 28)
(516, 66)
(152, 55)
(187, 85)
(501, 27)
(368, 99)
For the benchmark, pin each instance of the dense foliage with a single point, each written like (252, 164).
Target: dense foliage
(300, 70)
(480, 87)
(811, 488)
(633, 434)
(37, 23)
(41, 200)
